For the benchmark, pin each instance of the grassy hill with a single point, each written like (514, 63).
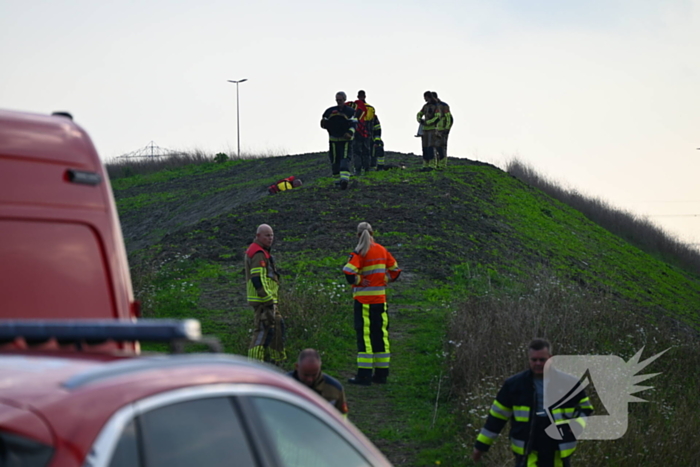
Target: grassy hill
(476, 245)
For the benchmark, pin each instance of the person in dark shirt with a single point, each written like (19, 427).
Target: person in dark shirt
(307, 370)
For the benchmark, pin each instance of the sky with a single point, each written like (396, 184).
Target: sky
(601, 96)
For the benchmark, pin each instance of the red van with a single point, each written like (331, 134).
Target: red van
(61, 248)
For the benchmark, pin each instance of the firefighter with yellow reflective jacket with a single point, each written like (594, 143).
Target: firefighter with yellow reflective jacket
(442, 131)
(428, 118)
(262, 286)
(368, 269)
(521, 401)
(377, 161)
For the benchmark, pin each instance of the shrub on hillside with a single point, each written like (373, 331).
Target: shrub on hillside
(220, 158)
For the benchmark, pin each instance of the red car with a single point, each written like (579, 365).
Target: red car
(67, 408)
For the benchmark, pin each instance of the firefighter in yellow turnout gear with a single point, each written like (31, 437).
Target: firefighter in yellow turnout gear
(442, 132)
(262, 286)
(429, 117)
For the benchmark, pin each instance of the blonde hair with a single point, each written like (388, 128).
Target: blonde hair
(365, 232)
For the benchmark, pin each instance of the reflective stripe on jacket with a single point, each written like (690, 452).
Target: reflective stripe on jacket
(371, 273)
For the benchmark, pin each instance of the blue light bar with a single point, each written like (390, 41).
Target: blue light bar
(153, 330)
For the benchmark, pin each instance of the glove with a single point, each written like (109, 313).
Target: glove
(347, 136)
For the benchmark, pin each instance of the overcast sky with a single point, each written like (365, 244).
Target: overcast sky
(599, 95)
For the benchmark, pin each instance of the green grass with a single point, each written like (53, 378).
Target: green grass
(172, 174)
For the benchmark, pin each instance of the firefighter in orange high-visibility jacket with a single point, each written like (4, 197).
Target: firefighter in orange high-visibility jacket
(368, 270)
(262, 285)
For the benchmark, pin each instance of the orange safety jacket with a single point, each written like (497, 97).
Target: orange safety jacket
(368, 274)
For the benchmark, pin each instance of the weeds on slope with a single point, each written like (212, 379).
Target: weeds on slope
(127, 167)
(488, 337)
(640, 232)
(214, 293)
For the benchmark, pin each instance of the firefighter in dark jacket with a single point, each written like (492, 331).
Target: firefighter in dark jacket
(368, 270)
(340, 122)
(307, 370)
(262, 285)
(521, 400)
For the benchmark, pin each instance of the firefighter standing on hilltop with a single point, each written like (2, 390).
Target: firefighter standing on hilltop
(362, 141)
(367, 271)
(262, 287)
(375, 131)
(442, 131)
(428, 118)
(340, 122)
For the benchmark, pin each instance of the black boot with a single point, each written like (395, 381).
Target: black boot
(363, 377)
(380, 375)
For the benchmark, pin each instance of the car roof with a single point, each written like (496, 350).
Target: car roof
(75, 394)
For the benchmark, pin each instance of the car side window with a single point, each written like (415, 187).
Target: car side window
(303, 440)
(198, 432)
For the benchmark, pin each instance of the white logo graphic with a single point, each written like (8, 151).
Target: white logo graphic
(615, 382)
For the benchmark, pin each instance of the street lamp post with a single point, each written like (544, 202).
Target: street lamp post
(238, 115)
